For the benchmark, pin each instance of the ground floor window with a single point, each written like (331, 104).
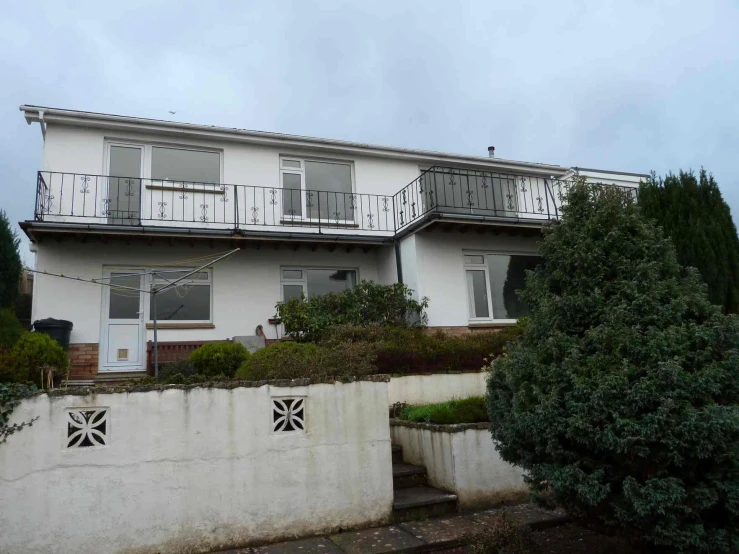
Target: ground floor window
(492, 281)
(188, 300)
(315, 282)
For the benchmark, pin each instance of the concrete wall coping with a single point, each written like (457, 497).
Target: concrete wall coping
(453, 428)
(234, 384)
(445, 372)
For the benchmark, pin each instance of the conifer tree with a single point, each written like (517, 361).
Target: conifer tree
(621, 400)
(695, 216)
(10, 263)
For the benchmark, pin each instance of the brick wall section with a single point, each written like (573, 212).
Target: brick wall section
(83, 358)
(463, 330)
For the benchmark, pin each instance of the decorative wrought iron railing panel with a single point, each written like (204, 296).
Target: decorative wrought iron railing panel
(72, 197)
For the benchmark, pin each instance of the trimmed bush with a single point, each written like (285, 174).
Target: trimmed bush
(215, 358)
(368, 303)
(10, 329)
(468, 410)
(30, 353)
(622, 397)
(184, 368)
(294, 360)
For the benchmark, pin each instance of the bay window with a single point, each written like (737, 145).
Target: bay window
(492, 282)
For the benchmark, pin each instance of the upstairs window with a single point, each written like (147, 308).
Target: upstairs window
(317, 189)
(492, 282)
(315, 282)
(189, 166)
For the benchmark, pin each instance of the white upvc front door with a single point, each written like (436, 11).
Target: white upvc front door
(123, 327)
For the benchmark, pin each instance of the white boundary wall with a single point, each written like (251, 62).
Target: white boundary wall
(435, 387)
(194, 470)
(461, 459)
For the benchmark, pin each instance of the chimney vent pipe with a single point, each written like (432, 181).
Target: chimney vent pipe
(491, 151)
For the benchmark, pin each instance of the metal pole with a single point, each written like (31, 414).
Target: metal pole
(154, 319)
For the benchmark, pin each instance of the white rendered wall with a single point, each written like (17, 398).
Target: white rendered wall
(463, 462)
(440, 274)
(435, 387)
(245, 289)
(195, 470)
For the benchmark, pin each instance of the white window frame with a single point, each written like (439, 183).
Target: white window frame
(303, 186)
(158, 280)
(303, 281)
(147, 153)
(484, 266)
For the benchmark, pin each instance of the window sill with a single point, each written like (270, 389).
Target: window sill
(492, 324)
(181, 326)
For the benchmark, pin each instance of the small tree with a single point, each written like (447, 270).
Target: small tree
(10, 263)
(694, 215)
(620, 399)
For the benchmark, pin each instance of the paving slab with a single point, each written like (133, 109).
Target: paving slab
(378, 540)
(315, 545)
(522, 514)
(442, 531)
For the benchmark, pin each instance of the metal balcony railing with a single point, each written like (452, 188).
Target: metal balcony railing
(438, 191)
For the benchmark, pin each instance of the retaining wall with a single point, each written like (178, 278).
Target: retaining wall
(435, 387)
(191, 469)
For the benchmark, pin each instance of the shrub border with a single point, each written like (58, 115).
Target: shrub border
(441, 428)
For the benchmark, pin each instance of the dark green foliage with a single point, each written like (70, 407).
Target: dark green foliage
(502, 536)
(621, 397)
(11, 395)
(10, 263)
(10, 328)
(366, 304)
(468, 410)
(215, 358)
(694, 215)
(32, 352)
(184, 368)
(292, 360)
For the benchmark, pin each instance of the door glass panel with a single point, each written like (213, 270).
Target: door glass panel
(292, 203)
(124, 199)
(324, 281)
(333, 183)
(478, 293)
(191, 166)
(124, 303)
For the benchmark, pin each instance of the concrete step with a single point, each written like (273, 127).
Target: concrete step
(407, 475)
(415, 503)
(397, 453)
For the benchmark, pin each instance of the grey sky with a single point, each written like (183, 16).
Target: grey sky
(632, 86)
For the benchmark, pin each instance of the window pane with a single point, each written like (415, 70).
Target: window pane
(508, 274)
(474, 260)
(324, 281)
(124, 191)
(183, 304)
(292, 203)
(167, 275)
(332, 186)
(124, 303)
(293, 164)
(478, 293)
(292, 273)
(291, 291)
(192, 166)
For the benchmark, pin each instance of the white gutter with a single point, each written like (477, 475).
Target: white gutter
(135, 124)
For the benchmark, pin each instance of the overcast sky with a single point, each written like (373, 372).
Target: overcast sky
(630, 86)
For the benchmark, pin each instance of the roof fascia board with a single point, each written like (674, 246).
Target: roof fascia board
(121, 123)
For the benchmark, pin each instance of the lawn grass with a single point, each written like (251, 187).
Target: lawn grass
(469, 410)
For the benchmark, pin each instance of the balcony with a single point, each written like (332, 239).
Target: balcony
(128, 203)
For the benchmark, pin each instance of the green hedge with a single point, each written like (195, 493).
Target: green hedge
(468, 410)
(356, 351)
(22, 363)
(217, 358)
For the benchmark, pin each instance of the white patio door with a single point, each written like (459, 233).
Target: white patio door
(124, 329)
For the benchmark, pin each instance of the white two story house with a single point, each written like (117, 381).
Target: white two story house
(120, 196)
